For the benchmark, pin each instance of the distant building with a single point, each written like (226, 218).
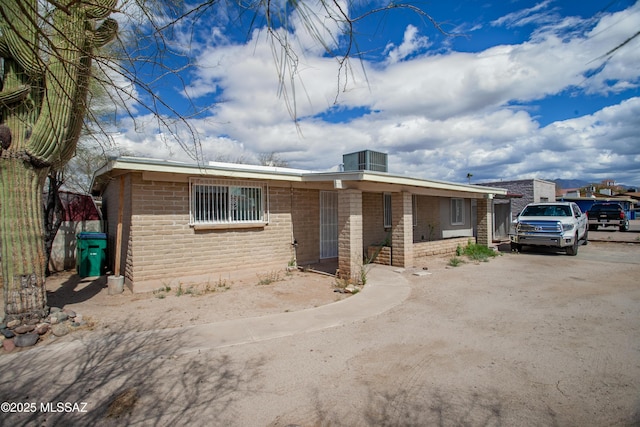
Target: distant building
(532, 191)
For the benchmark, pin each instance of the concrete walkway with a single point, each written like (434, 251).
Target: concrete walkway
(384, 290)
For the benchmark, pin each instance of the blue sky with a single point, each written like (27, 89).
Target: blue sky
(510, 90)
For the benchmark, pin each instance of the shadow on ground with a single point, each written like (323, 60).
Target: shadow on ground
(121, 379)
(76, 289)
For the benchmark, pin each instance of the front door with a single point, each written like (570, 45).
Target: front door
(328, 224)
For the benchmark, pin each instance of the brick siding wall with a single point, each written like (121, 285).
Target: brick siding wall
(306, 225)
(439, 247)
(373, 229)
(428, 225)
(161, 247)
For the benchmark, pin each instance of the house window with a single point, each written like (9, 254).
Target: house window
(386, 198)
(226, 202)
(457, 211)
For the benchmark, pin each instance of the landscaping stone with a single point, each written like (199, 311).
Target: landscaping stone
(26, 340)
(55, 310)
(42, 328)
(62, 316)
(59, 329)
(70, 313)
(8, 345)
(7, 333)
(23, 329)
(3, 325)
(12, 324)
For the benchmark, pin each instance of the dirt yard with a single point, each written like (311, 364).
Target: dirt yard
(531, 339)
(181, 305)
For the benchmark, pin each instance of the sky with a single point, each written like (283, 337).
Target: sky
(496, 90)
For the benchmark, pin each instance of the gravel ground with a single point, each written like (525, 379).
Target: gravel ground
(531, 339)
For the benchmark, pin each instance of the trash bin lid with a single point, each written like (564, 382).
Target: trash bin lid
(85, 235)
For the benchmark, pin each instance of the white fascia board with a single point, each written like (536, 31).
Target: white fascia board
(385, 178)
(226, 170)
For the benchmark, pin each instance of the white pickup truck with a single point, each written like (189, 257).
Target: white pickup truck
(558, 225)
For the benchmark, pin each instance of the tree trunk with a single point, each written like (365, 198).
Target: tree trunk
(21, 223)
(53, 216)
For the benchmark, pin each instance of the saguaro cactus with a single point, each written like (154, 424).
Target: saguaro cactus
(45, 75)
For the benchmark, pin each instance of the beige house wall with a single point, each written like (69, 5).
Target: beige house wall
(306, 224)
(428, 224)
(373, 230)
(159, 247)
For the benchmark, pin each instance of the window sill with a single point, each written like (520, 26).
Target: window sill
(229, 226)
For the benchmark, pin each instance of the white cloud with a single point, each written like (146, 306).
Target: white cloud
(438, 116)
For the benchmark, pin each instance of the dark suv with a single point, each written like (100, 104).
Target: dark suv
(607, 215)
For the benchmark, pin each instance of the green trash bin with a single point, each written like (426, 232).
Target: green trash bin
(91, 254)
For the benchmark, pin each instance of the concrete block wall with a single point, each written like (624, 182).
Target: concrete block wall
(428, 225)
(485, 222)
(532, 191)
(402, 234)
(306, 224)
(162, 247)
(373, 219)
(350, 246)
(379, 255)
(110, 206)
(438, 247)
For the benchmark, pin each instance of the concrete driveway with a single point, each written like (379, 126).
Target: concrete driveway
(530, 339)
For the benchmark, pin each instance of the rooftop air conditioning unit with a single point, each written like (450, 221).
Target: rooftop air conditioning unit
(365, 160)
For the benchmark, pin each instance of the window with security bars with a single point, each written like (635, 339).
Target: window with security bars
(226, 203)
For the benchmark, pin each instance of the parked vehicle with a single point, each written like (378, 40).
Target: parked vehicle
(558, 225)
(608, 215)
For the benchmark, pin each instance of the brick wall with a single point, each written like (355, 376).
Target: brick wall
(402, 235)
(306, 225)
(532, 190)
(350, 247)
(485, 222)
(373, 229)
(162, 248)
(439, 247)
(428, 225)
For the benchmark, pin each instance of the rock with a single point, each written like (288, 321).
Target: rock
(53, 319)
(12, 324)
(70, 313)
(55, 310)
(62, 316)
(33, 322)
(7, 333)
(23, 329)
(1, 318)
(42, 328)
(79, 318)
(3, 325)
(350, 289)
(59, 329)
(8, 345)
(26, 340)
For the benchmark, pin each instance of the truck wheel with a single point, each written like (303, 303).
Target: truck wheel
(573, 250)
(624, 227)
(585, 238)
